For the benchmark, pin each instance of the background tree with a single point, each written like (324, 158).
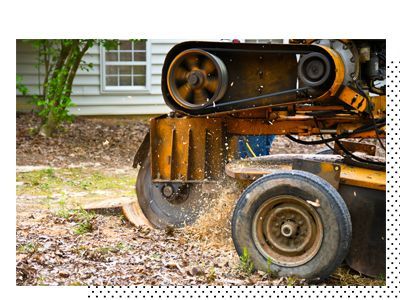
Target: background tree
(61, 59)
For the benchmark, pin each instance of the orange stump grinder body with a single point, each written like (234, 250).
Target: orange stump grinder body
(303, 213)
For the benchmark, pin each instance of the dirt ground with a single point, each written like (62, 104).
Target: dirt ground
(58, 243)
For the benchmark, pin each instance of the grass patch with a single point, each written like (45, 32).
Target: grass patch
(84, 220)
(269, 273)
(107, 250)
(346, 276)
(55, 181)
(211, 276)
(246, 264)
(27, 248)
(83, 227)
(290, 281)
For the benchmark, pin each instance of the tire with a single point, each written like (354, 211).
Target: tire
(163, 213)
(291, 190)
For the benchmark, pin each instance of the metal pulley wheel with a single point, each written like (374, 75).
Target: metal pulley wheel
(197, 79)
(314, 69)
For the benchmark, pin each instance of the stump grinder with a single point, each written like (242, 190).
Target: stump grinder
(299, 214)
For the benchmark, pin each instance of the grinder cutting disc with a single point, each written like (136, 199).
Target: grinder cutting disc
(166, 204)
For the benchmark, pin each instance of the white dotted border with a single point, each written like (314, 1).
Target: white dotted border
(391, 290)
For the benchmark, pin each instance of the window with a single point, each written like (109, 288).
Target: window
(126, 68)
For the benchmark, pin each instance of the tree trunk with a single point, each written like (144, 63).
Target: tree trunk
(58, 84)
(47, 129)
(74, 69)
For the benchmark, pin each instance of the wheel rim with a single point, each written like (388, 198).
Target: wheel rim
(287, 230)
(197, 79)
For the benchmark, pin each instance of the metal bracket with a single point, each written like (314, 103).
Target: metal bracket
(326, 170)
(368, 149)
(353, 98)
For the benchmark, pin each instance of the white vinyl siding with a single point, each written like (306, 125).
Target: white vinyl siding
(86, 82)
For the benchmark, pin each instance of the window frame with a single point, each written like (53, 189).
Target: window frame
(125, 89)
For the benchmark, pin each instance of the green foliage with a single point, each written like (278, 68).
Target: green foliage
(60, 60)
(269, 272)
(21, 87)
(64, 213)
(82, 218)
(381, 277)
(246, 264)
(27, 248)
(211, 276)
(83, 227)
(290, 281)
(49, 172)
(122, 247)
(47, 182)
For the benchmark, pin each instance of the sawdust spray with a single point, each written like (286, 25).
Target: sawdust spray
(213, 227)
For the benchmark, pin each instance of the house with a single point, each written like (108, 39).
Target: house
(125, 81)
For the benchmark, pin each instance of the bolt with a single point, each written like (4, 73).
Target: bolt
(167, 191)
(288, 229)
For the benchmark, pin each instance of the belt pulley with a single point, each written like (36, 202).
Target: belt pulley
(197, 79)
(203, 78)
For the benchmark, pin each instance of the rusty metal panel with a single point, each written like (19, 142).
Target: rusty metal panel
(353, 98)
(262, 126)
(363, 177)
(180, 153)
(186, 149)
(197, 155)
(379, 106)
(161, 143)
(253, 168)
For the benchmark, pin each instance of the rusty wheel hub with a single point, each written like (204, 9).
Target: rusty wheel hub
(287, 230)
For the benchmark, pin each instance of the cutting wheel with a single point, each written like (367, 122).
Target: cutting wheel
(166, 204)
(197, 79)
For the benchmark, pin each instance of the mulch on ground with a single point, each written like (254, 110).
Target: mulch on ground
(108, 142)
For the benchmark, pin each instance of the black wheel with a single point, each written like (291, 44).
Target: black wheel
(294, 224)
(166, 204)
